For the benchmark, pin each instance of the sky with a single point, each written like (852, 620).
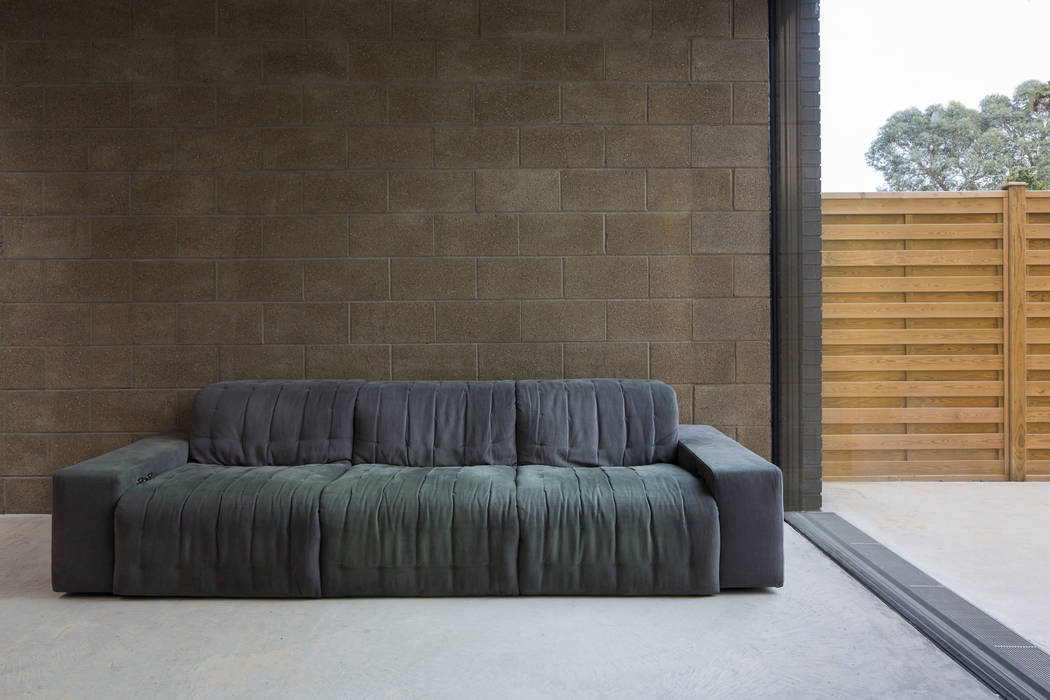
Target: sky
(878, 57)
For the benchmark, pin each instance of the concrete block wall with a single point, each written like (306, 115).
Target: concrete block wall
(200, 190)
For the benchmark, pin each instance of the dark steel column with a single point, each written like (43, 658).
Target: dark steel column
(795, 255)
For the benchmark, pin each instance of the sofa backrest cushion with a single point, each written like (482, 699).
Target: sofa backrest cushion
(431, 424)
(257, 423)
(590, 422)
(580, 422)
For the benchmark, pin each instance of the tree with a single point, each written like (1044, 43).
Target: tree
(954, 147)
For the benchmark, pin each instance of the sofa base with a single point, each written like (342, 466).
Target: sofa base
(335, 530)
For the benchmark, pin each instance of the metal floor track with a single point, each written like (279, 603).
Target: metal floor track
(1004, 660)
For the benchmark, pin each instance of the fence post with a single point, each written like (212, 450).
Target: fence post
(1015, 294)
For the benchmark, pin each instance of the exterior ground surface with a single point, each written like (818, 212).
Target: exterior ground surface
(987, 541)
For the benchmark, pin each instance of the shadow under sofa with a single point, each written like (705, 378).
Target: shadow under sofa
(351, 488)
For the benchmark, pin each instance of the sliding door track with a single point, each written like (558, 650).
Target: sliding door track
(1004, 660)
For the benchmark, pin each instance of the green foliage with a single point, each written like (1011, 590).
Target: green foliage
(1023, 173)
(954, 147)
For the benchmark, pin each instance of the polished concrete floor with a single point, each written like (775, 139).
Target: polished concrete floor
(988, 541)
(821, 636)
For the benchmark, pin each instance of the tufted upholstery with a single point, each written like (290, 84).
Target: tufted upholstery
(433, 424)
(255, 423)
(561, 423)
(589, 422)
(207, 530)
(410, 531)
(650, 530)
(343, 487)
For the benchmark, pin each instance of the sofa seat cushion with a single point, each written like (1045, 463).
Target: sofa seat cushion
(414, 531)
(222, 531)
(645, 530)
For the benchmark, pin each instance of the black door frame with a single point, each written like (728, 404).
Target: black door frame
(794, 51)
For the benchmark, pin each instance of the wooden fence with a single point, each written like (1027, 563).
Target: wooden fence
(936, 335)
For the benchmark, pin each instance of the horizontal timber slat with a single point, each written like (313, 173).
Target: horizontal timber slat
(1037, 309)
(1039, 468)
(1037, 335)
(878, 363)
(913, 336)
(907, 232)
(912, 257)
(931, 194)
(916, 389)
(1038, 283)
(914, 310)
(923, 477)
(985, 283)
(1038, 414)
(1038, 388)
(913, 205)
(1038, 203)
(1038, 362)
(912, 415)
(914, 441)
(932, 468)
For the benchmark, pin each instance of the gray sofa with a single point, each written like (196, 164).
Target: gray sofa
(353, 488)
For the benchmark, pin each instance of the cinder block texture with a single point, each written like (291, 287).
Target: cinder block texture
(387, 189)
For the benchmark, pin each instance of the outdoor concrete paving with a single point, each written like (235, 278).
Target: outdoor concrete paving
(988, 541)
(821, 636)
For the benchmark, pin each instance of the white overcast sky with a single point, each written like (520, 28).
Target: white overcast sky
(881, 56)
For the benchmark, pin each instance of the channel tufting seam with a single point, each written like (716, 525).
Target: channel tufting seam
(489, 527)
(452, 528)
(374, 439)
(615, 528)
(331, 424)
(490, 436)
(651, 420)
(182, 511)
(251, 531)
(568, 426)
(544, 531)
(142, 529)
(218, 517)
(211, 420)
(654, 554)
(627, 435)
(404, 450)
(579, 530)
(418, 532)
(301, 428)
(269, 428)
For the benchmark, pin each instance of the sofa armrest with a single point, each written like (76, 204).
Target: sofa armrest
(749, 492)
(85, 495)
